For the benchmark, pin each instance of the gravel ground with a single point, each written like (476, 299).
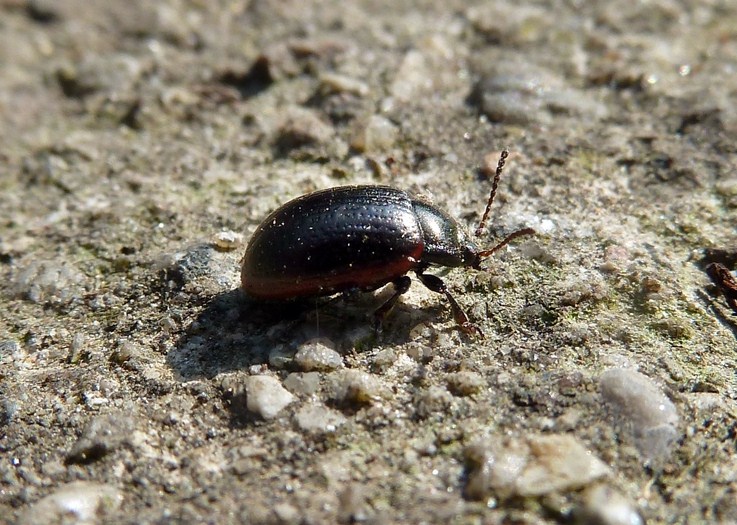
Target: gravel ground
(143, 143)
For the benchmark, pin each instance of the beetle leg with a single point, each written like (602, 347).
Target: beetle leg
(401, 285)
(436, 284)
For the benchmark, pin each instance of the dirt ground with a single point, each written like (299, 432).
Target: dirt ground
(143, 143)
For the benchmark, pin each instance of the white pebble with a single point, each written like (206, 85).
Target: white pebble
(642, 408)
(343, 84)
(378, 134)
(356, 386)
(558, 462)
(319, 419)
(266, 396)
(79, 502)
(413, 77)
(606, 506)
(316, 354)
(227, 240)
(531, 466)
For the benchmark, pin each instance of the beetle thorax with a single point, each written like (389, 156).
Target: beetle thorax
(446, 242)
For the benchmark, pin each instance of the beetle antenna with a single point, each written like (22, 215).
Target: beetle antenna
(509, 238)
(494, 186)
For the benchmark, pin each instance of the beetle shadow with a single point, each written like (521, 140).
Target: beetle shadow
(235, 332)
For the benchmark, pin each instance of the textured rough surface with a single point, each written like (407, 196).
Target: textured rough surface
(143, 143)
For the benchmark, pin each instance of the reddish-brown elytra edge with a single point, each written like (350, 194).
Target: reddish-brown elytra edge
(360, 238)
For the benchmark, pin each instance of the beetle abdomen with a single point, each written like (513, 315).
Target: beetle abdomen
(352, 237)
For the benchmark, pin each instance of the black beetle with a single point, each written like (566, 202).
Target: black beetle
(360, 238)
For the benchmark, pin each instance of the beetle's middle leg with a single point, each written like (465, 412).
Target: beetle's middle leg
(436, 284)
(401, 285)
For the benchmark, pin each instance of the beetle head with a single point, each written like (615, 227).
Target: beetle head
(471, 255)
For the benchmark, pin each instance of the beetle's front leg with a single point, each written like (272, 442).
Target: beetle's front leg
(436, 284)
(401, 285)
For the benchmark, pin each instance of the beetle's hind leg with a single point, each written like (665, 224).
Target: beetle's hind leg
(401, 285)
(436, 284)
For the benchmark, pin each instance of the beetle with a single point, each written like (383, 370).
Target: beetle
(360, 238)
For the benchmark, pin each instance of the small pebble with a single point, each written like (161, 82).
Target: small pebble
(525, 95)
(641, 407)
(353, 508)
(266, 396)
(509, 23)
(411, 77)
(52, 281)
(109, 73)
(9, 349)
(419, 351)
(303, 384)
(79, 502)
(102, 435)
(125, 351)
(708, 402)
(319, 419)
(287, 514)
(568, 420)
(8, 410)
(76, 348)
(384, 359)
(356, 386)
(378, 134)
(227, 240)
(465, 383)
(342, 84)
(199, 264)
(616, 258)
(281, 356)
(428, 71)
(605, 506)
(302, 127)
(434, 400)
(317, 354)
(532, 466)
(43, 11)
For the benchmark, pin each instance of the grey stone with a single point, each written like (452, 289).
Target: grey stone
(319, 419)
(317, 355)
(641, 408)
(102, 435)
(266, 396)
